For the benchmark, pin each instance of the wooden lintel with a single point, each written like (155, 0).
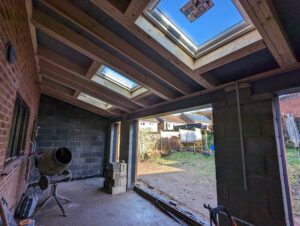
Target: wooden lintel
(91, 50)
(263, 16)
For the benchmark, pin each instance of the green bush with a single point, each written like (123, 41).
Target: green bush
(148, 144)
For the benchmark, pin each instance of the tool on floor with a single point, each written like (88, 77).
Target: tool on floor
(214, 212)
(26, 206)
(52, 166)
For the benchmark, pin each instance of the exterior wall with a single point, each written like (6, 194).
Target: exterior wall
(83, 132)
(148, 125)
(291, 105)
(170, 125)
(20, 77)
(262, 204)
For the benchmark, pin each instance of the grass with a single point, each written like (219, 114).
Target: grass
(293, 165)
(192, 163)
(293, 159)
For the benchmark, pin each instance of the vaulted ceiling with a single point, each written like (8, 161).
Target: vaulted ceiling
(73, 38)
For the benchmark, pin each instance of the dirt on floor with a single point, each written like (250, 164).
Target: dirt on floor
(186, 177)
(91, 206)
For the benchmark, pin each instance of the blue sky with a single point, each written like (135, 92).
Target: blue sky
(216, 20)
(119, 78)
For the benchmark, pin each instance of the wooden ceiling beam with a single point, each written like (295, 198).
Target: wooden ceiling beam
(215, 94)
(147, 39)
(86, 86)
(29, 10)
(263, 16)
(58, 61)
(57, 86)
(232, 51)
(60, 80)
(141, 96)
(90, 25)
(91, 50)
(52, 57)
(89, 74)
(52, 92)
(136, 8)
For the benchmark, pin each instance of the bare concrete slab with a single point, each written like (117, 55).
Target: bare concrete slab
(91, 206)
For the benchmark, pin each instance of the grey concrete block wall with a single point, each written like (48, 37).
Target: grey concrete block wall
(83, 132)
(262, 204)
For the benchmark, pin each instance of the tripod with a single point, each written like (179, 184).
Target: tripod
(57, 198)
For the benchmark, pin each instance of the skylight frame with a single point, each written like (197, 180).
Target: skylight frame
(86, 98)
(101, 74)
(116, 86)
(185, 43)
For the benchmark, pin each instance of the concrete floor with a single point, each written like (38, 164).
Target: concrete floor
(91, 206)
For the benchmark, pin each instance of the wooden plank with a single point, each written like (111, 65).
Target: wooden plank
(216, 94)
(28, 4)
(59, 63)
(136, 8)
(92, 69)
(145, 94)
(89, 74)
(70, 100)
(56, 86)
(263, 16)
(90, 25)
(84, 46)
(52, 57)
(241, 47)
(56, 78)
(147, 39)
(86, 86)
(106, 93)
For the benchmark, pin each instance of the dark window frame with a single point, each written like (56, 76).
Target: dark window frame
(18, 130)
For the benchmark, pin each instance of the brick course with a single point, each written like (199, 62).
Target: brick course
(20, 77)
(291, 105)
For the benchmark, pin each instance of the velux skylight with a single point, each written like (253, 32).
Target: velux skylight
(94, 101)
(117, 78)
(117, 82)
(221, 22)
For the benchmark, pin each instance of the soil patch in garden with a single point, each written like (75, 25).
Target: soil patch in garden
(186, 177)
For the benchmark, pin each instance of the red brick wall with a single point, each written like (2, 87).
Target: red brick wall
(20, 77)
(291, 105)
